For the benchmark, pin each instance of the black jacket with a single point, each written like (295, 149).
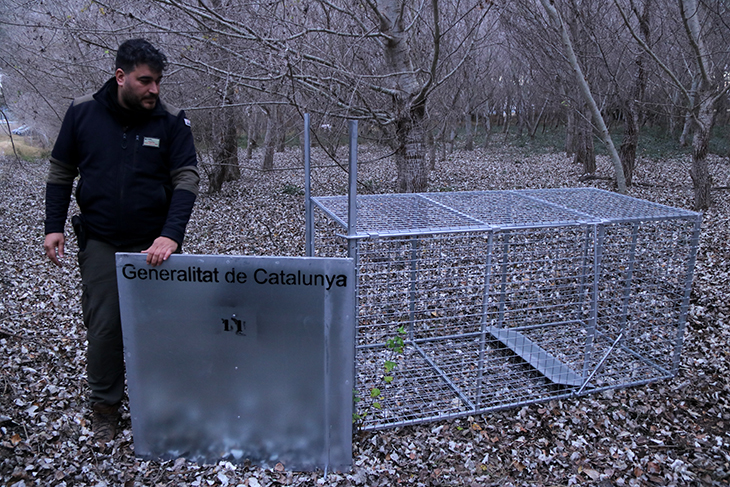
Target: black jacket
(139, 176)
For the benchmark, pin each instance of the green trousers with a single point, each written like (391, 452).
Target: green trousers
(100, 305)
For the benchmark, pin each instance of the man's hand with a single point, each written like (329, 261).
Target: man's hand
(160, 250)
(54, 247)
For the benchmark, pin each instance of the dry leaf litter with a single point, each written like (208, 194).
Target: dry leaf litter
(673, 432)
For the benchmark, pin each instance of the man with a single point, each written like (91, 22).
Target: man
(138, 183)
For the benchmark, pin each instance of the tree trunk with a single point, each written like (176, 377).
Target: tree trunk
(570, 131)
(585, 153)
(227, 168)
(226, 155)
(688, 122)
(536, 121)
(442, 138)
(672, 114)
(410, 154)
(700, 173)
(521, 119)
(251, 137)
(507, 118)
(634, 115)
(629, 144)
(487, 127)
(708, 93)
(408, 97)
(280, 132)
(469, 130)
(269, 143)
(431, 151)
(570, 119)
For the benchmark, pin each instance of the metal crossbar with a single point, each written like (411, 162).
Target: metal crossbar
(506, 298)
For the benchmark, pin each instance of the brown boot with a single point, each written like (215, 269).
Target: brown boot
(104, 423)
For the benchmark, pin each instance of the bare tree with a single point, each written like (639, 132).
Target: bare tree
(225, 142)
(47, 68)
(545, 89)
(412, 73)
(634, 114)
(699, 20)
(225, 155)
(585, 90)
(377, 60)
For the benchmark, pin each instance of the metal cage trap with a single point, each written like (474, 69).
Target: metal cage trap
(469, 302)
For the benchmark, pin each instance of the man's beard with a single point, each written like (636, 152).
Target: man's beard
(135, 104)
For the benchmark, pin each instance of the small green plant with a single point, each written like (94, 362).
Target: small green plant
(357, 418)
(396, 345)
(389, 366)
(370, 186)
(374, 395)
(293, 190)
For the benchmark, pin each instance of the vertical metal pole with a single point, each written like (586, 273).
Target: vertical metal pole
(485, 310)
(503, 286)
(583, 274)
(487, 278)
(628, 282)
(684, 307)
(415, 247)
(352, 241)
(352, 194)
(308, 215)
(599, 236)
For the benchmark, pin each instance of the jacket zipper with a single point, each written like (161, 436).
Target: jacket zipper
(122, 174)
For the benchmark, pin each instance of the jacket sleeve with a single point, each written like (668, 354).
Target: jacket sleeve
(185, 179)
(61, 174)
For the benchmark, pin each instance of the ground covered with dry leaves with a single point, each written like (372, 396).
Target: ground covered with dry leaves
(674, 432)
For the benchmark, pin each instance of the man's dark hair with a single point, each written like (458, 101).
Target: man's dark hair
(134, 52)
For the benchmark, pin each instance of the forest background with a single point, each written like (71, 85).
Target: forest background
(419, 76)
(626, 95)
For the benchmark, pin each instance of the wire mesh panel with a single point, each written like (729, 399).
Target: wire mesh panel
(474, 301)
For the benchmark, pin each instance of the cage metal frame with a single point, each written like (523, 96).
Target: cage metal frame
(497, 299)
